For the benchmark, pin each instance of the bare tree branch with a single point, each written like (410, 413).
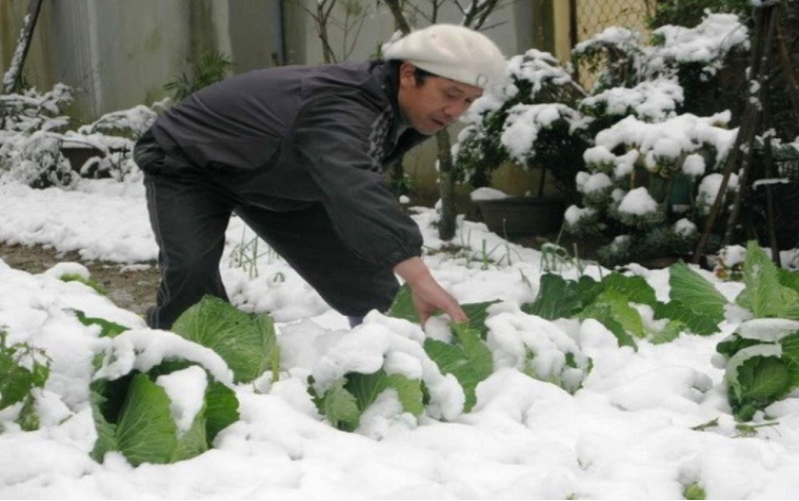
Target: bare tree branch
(326, 14)
(469, 13)
(436, 8)
(361, 20)
(323, 21)
(399, 16)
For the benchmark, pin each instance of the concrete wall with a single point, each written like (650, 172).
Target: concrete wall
(12, 13)
(120, 53)
(116, 54)
(255, 28)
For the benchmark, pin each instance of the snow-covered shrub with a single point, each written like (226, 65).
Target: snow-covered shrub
(657, 187)
(654, 170)
(29, 152)
(532, 122)
(113, 135)
(646, 169)
(34, 137)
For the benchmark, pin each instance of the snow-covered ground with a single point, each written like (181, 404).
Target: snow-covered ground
(633, 431)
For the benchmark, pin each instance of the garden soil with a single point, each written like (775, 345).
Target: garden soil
(130, 288)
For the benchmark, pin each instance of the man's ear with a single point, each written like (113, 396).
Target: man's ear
(407, 74)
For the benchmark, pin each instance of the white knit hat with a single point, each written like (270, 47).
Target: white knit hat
(451, 51)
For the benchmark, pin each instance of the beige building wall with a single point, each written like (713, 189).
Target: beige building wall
(120, 53)
(116, 54)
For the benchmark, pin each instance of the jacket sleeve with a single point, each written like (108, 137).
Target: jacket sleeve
(335, 132)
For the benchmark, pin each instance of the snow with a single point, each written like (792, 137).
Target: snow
(694, 165)
(627, 433)
(715, 35)
(666, 140)
(733, 255)
(638, 202)
(486, 193)
(652, 101)
(14, 68)
(186, 392)
(768, 329)
(589, 183)
(685, 227)
(525, 121)
(709, 189)
(640, 424)
(623, 38)
(574, 214)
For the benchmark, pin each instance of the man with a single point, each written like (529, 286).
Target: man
(297, 153)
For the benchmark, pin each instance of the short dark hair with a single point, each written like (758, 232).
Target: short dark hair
(421, 75)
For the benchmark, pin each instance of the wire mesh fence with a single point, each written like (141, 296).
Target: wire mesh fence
(591, 17)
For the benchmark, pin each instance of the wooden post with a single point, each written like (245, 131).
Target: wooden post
(771, 229)
(740, 154)
(13, 77)
(763, 68)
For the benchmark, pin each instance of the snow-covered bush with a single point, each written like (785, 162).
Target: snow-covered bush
(531, 122)
(653, 172)
(34, 138)
(645, 169)
(113, 135)
(29, 153)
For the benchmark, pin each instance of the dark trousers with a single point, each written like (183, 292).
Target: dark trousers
(189, 213)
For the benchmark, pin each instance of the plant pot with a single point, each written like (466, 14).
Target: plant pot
(79, 154)
(522, 216)
(659, 262)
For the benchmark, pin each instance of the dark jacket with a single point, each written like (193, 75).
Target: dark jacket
(309, 134)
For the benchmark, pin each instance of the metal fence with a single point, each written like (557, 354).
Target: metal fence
(591, 17)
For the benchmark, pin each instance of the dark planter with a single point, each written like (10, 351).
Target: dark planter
(661, 262)
(522, 216)
(79, 154)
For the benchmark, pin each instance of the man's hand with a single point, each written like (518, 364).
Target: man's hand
(428, 296)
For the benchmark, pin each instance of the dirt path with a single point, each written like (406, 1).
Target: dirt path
(131, 288)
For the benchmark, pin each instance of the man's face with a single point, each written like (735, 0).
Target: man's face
(436, 103)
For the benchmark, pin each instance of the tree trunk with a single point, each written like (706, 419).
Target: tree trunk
(13, 77)
(399, 17)
(446, 180)
(764, 65)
